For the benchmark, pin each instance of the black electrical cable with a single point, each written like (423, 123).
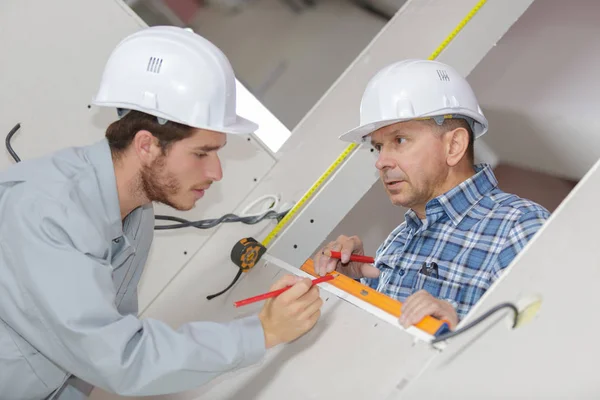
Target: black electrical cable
(237, 276)
(478, 320)
(8, 138)
(181, 222)
(211, 223)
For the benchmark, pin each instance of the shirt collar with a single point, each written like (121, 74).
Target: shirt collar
(100, 158)
(457, 202)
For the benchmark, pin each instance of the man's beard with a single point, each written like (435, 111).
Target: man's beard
(158, 185)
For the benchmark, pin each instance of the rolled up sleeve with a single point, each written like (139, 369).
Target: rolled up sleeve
(65, 307)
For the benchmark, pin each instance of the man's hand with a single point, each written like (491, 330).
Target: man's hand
(421, 304)
(292, 313)
(345, 245)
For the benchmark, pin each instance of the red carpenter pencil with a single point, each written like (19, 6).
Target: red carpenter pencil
(353, 257)
(275, 293)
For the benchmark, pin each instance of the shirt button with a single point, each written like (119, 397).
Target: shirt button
(401, 272)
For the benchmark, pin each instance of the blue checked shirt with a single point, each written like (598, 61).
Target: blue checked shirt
(470, 234)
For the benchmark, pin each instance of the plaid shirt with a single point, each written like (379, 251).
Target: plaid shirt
(470, 234)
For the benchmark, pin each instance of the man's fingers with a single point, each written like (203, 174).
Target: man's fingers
(421, 311)
(347, 249)
(411, 302)
(326, 264)
(286, 280)
(296, 290)
(323, 260)
(409, 307)
(312, 308)
(331, 265)
(312, 320)
(319, 262)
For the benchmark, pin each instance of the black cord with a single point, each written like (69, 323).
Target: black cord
(8, 138)
(237, 276)
(477, 321)
(211, 223)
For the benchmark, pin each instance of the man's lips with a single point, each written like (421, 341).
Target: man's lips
(393, 184)
(199, 192)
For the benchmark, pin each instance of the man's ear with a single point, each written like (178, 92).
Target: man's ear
(457, 145)
(146, 147)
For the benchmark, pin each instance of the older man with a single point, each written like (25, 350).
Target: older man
(461, 231)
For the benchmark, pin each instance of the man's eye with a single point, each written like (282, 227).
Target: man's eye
(400, 140)
(200, 155)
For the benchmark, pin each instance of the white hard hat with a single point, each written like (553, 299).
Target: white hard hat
(176, 75)
(416, 89)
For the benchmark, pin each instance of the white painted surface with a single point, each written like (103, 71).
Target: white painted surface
(539, 89)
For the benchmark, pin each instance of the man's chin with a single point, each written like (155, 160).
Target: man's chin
(179, 206)
(398, 200)
(186, 207)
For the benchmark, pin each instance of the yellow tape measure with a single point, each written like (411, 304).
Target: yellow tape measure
(338, 161)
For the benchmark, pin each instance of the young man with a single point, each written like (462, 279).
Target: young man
(461, 231)
(77, 226)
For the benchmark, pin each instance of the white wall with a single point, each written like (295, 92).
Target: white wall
(539, 89)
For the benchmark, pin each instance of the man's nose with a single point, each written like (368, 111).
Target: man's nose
(384, 160)
(214, 170)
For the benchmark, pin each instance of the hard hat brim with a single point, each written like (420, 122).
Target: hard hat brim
(358, 134)
(242, 126)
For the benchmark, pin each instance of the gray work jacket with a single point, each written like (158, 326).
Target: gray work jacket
(69, 269)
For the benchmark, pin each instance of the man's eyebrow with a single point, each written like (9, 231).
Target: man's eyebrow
(209, 148)
(396, 132)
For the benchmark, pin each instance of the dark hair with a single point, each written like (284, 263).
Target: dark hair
(451, 124)
(120, 133)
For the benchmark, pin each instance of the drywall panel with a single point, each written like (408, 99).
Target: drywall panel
(51, 67)
(538, 88)
(556, 354)
(52, 61)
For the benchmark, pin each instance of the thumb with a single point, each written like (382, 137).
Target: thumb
(369, 271)
(284, 281)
